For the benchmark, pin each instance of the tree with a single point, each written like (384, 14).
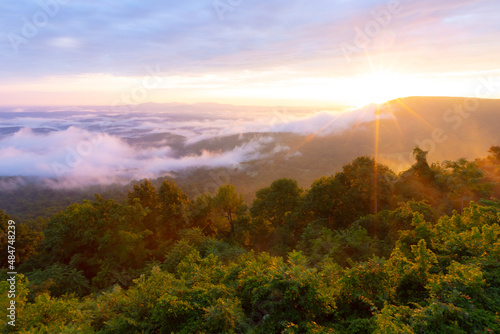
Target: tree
(419, 183)
(494, 153)
(201, 214)
(342, 246)
(421, 167)
(465, 181)
(365, 188)
(146, 194)
(491, 167)
(27, 243)
(274, 215)
(277, 202)
(174, 205)
(95, 234)
(387, 226)
(229, 203)
(323, 200)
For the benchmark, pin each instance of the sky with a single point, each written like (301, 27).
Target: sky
(242, 52)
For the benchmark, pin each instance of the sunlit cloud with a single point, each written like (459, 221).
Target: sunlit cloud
(262, 53)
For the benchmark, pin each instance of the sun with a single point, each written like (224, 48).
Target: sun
(379, 86)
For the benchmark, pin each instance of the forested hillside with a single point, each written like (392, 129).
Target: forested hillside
(363, 251)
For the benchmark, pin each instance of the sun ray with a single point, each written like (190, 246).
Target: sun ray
(395, 120)
(400, 102)
(375, 173)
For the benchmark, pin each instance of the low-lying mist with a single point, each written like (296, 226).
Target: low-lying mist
(74, 147)
(79, 147)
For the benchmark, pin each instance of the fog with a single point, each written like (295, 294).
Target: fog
(102, 146)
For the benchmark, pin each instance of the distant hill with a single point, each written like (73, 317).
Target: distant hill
(449, 128)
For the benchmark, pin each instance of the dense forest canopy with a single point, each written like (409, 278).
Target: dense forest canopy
(363, 251)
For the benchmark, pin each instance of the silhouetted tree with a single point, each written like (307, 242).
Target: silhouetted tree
(419, 183)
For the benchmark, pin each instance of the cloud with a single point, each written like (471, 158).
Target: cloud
(78, 157)
(328, 122)
(320, 123)
(188, 37)
(96, 150)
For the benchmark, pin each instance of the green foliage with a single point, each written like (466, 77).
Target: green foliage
(323, 200)
(223, 215)
(202, 214)
(224, 316)
(421, 167)
(80, 235)
(166, 212)
(274, 293)
(28, 240)
(277, 202)
(20, 299)
(30, 201)
(366, 188)
(146, 194)
(386, 226)
(362, 290)
(177, 253)
(58, 280)
(491, 167)
(174, 204)
(363, 187)
(55, 315)
(229, 204)
(476, 233)
(163, 263)
(131, 311)
(464, 182)
(193, 240)
(393, 320)
(274, 216)
(344, 247)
